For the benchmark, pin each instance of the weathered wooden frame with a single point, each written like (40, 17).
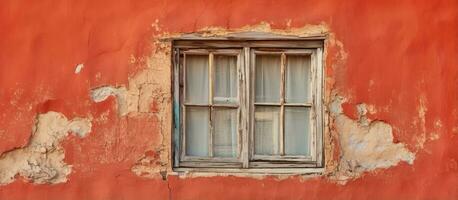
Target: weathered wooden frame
(195, 161)
(246, 160)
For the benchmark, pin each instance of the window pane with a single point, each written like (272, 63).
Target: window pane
(197, 79)
(268, 78)
(197, 131)
(225, 132)
(298, 79)
(267, 130)
(297, 130)
(225, 87)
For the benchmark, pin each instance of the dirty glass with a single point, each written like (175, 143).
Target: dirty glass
(196, 79)
(224, 132)
(267, 130)
(268, 77)
(197, 131)
(297, 130)
(225, 79)
(297, 79)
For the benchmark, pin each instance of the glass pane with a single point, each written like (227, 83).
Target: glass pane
(196, 79)
(298, 79)
(225, 132)
(197, 131)
(297, 130)
(267, 130)
(225, 87)
(268, 78)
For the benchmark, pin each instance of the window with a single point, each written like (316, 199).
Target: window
(248, 105)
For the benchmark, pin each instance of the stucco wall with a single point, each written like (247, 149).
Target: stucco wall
(85, 98)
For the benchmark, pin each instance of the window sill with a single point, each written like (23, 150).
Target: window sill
(260, 171)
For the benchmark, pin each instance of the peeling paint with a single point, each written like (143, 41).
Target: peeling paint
(147, 93)
(78, 68)
(102, 93)
(42, 160)
(151, 165)
(148, 85)
(365, 145)
(421, 122)
(309, 30)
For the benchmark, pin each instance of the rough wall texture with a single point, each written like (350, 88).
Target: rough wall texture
(99, 70)
(41, 161)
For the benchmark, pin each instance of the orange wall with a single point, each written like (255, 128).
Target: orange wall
(398, 53)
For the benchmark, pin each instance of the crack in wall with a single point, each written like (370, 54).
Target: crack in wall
(170, 190)
(42, 160)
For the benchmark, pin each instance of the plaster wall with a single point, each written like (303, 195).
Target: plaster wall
(85, 98)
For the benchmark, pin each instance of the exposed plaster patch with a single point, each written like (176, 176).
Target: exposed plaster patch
(147, 94)
(437, 126)
(78, 68)
(421, 122)
(42, 160)
(149, 85)
(365, 145)
(102, 93)
(156, 25)
(151, 165)
(309, 30)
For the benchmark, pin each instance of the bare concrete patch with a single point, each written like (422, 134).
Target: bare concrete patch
(365, 145)
(42, 160)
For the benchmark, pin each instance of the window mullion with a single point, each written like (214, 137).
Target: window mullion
(210, 102)
(245, 105)
(282, 102)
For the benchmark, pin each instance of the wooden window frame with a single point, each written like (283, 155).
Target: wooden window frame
(246, 160)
